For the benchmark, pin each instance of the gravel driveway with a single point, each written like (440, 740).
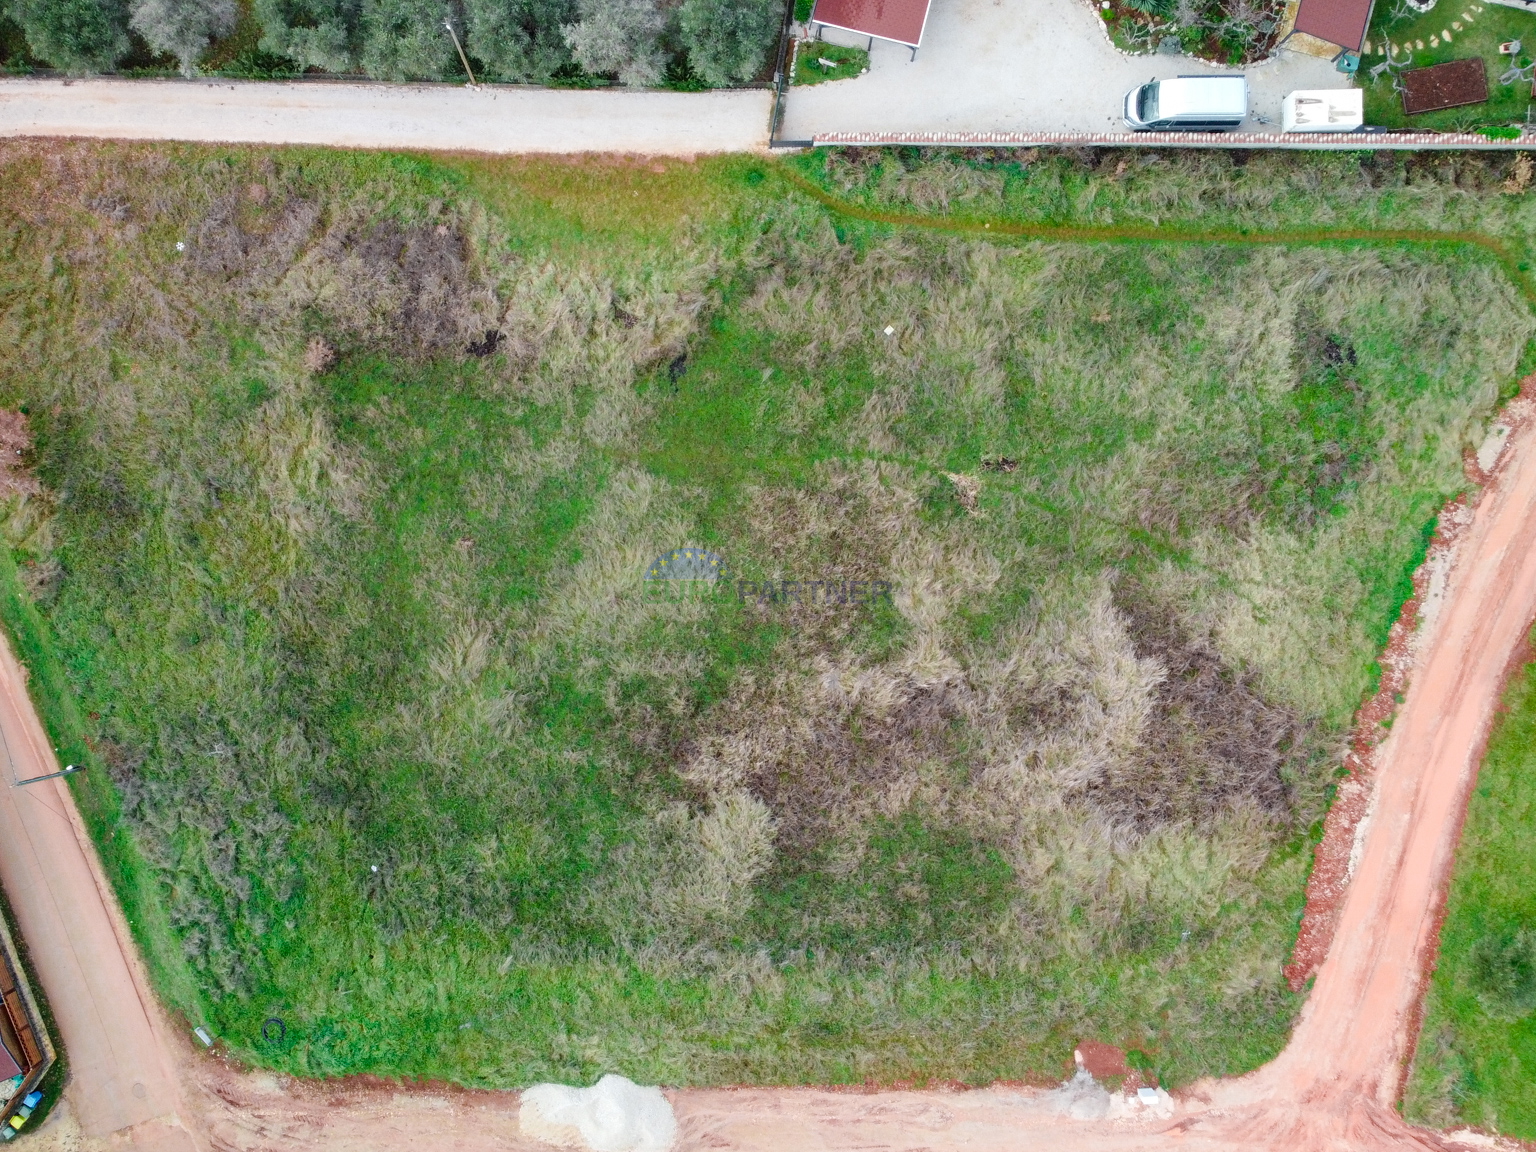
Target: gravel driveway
(434, 116)
(1015, 66)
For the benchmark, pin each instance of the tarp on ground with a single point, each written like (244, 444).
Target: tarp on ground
(1341, 22)
(898, 20)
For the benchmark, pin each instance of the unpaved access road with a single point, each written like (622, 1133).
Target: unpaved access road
(437, 117)
(1333, 1088)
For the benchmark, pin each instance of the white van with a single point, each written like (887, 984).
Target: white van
(1188, 104)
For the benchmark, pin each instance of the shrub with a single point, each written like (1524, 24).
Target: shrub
(728, 40)
(520, 40)
(619, 36)
(313, 33)
(406, 40)
(1502, 971)
(184, 27)
(75, 35)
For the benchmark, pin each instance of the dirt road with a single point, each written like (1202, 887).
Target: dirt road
(123, 1079)
(439, 117)
(1333, 1087)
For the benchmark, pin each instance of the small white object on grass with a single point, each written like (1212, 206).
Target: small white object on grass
(375, 867)
(890, 330)
(180, 247)
(614, 1115)
(202, 1034)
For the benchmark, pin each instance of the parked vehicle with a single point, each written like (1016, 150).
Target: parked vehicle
(1324, 110)
(1188, 104)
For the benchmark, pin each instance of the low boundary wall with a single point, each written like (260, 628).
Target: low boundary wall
(1366, 141)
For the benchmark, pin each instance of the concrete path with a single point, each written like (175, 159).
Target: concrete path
(1017, 66)
(120, 1079)
(438, 117)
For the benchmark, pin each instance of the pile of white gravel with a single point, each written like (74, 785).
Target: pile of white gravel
(614, 1115)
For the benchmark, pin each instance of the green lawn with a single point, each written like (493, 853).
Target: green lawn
(394, 742)
(1415, 41)
(1475, 1052)
(816, 62)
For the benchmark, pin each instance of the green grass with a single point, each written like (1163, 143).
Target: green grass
(390, 741)
(1472, 1065)
(846, 63)
(1491, 25)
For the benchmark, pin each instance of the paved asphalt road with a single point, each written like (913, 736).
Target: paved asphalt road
(439, 117)
(120, 1081)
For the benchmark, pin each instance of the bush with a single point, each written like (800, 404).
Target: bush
(184, 28)
(313, 33)
(1502, 971)
(75, 35)
(728, 40)
(406, 40)
(520, 40)
(618, 36)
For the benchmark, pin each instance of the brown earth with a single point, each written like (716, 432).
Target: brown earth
(137, 1082)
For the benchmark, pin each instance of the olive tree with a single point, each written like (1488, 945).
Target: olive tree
(183, 28)
(74, 35)
(520, 40)
(728, 40)
(406, 40)
(620, 36)
(313, 33)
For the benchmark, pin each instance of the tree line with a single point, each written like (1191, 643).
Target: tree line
(721, 42)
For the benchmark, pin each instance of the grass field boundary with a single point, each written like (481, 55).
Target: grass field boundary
(49, 691)
(1003, 226)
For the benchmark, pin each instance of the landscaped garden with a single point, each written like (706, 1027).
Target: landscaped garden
(1408, 39)
(816, 61)
(353, 467)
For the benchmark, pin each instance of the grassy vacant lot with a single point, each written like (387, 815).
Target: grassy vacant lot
(347, 502)
(1479, 1038)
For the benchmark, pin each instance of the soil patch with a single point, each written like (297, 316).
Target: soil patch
(1447, 85)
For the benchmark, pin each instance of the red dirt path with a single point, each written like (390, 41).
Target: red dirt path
(1333, 1087)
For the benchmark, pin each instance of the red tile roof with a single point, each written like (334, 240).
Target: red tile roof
(898, 20)
(1340, 22)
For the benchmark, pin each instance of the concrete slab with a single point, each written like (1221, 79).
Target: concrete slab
(1011, 66)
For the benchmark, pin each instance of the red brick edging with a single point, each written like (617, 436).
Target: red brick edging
(1330, 141)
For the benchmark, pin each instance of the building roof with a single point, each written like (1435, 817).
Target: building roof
(898, 20)
(1341, 22)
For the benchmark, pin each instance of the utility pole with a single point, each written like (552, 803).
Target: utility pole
(463, 59)
(53, 775)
